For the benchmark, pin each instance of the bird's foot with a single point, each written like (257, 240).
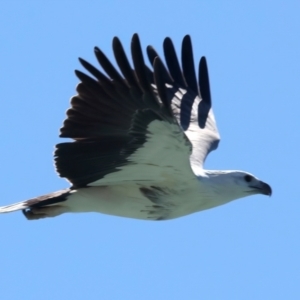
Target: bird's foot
(36, 213)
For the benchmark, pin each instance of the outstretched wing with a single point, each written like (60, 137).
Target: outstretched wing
(142, 125)
(191, 100)
(123, 126)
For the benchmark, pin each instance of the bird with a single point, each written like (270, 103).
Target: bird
(140, 139)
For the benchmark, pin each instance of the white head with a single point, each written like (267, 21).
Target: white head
(231, 185)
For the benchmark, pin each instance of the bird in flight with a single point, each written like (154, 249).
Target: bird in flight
(141, 136)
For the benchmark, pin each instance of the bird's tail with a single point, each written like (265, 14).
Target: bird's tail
(38, 202)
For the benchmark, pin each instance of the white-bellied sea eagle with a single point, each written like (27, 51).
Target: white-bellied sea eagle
(141, 136)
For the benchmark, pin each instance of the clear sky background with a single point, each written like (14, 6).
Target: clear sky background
(248, 249)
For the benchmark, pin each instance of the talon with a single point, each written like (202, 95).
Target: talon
(36, 213)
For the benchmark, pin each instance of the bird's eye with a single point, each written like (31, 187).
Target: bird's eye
(248, 178)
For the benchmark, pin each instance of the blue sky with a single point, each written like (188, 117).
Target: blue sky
(248, 249)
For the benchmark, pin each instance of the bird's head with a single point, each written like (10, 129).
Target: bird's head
(236, 184)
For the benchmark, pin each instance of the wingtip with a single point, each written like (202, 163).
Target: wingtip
(187, 38)
(135, 37)
(203, 61)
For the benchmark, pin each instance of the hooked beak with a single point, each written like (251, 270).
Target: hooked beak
(263, 188)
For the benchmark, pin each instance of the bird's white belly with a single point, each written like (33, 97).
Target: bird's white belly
(128, 201)
(125, 201)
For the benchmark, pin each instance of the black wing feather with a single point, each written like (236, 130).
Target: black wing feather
(205, 105)
(95, 72)
(122, 87)
(188, 64)
(172, 62)
(160, 74)
(124, 64)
